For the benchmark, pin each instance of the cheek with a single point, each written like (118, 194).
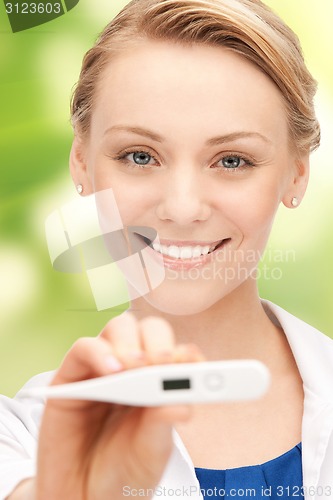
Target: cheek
(252, 207)
(260, 213)
(133, 196)
(135, 204)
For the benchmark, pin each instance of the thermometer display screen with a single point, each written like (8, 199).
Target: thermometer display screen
(180, 383)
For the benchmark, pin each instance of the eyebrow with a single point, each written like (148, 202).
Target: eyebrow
(233, 136)
(137, 131)
(214, 141)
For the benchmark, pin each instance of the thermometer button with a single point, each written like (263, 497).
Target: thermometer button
(214, 381)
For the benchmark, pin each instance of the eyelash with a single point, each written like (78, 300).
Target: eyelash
(122, 157)
(249, 163)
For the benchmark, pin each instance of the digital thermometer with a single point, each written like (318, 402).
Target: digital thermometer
(156, 385)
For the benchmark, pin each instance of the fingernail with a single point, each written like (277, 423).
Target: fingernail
(113, 364)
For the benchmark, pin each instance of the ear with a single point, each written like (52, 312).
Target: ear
(79, 168)
(298, 182)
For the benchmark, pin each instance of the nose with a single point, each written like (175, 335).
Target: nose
(184, 198)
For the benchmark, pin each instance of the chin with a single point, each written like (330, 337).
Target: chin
(182, 301)
(178, 308)
(185, 297)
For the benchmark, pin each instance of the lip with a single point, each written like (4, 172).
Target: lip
(186, 264)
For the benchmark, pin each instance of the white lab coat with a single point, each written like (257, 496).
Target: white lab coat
(313, 352)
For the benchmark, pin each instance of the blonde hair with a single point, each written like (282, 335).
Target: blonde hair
(247, 27)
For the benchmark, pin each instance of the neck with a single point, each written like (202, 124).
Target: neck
(235, 327)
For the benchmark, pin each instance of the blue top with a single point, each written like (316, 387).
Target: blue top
(275, 479)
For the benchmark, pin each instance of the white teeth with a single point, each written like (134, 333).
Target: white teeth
(174, 251)
(196, 252)
(186, 253)
(182, 252)
(205, 250)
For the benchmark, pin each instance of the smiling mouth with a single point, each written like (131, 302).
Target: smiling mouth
(185, 250)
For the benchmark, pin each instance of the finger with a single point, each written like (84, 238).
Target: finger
(123, 334)
(158, 339)
(188, 353)
(88, 357)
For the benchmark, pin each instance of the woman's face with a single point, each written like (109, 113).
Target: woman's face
(193, 141)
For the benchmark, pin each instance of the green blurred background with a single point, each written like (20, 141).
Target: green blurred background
(41, 311)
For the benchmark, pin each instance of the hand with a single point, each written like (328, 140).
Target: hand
(90, 450)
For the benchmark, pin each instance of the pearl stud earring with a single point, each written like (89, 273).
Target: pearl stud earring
(294, 201)
(79, 188)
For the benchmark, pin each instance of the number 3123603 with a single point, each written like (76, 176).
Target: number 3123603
(33, 8)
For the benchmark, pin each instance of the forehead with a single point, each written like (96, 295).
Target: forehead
(163, 83)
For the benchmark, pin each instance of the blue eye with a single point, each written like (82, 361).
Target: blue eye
(231, 161)
(137, 158)
(141, 158)
(234, 162)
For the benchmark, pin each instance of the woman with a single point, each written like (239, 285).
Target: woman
(199, 115)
